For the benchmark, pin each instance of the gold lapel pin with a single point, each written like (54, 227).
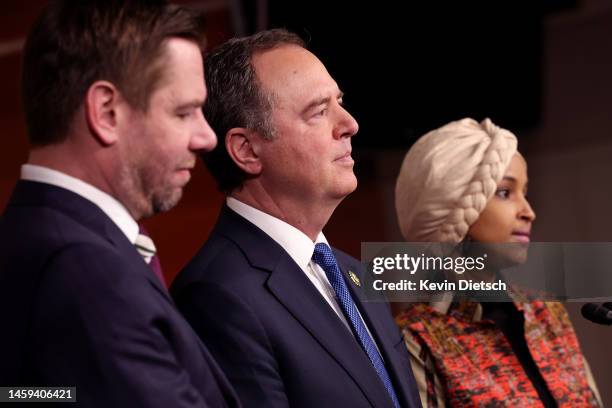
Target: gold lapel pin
(354, 278)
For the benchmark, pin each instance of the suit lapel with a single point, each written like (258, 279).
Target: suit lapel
(288, 283)
(375, 313)
(90, 216)
(116, 237)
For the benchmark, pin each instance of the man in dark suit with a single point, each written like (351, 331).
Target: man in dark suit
(282, 313)
(112, 92)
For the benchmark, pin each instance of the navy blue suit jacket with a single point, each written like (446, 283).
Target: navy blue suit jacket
(274, 335)
(81, 308)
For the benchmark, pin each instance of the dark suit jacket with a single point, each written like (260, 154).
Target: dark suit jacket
(80, 307)
(274, 335)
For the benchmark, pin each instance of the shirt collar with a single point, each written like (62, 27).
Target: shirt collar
(109, 205)
(297, 244)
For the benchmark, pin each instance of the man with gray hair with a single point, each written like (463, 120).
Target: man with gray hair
(281, 311)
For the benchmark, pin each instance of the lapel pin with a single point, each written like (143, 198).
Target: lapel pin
(354, 278)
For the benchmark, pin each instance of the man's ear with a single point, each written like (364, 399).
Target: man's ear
(241, 147)
(101, 103)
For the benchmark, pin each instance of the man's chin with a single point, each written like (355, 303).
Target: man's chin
(351, 185)
(346, 188)
(167, 201)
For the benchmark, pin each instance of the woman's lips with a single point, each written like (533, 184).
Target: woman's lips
(521, 236)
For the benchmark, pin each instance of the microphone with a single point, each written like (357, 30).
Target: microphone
(597, 313)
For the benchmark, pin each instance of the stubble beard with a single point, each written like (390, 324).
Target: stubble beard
(132, 190)
(147, 194)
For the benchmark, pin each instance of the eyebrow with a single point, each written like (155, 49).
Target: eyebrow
(196, 103)
(321, 101)
(514, 180)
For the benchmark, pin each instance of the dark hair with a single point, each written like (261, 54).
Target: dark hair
(75, 43)
(236, 99)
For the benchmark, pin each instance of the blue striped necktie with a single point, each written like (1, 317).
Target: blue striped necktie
(324, 257)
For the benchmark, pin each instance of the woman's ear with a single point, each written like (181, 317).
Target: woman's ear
(240, 144)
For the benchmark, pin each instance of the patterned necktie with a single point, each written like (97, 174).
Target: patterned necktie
(324, 257)
(146, 248)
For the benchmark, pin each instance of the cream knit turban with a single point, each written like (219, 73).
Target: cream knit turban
(447, 178)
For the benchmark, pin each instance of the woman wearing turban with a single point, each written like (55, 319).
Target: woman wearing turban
(464, 182)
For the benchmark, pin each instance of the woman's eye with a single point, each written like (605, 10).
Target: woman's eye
(502, 193)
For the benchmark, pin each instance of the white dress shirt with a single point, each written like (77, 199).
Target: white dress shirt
(300, 248)
(111, 207)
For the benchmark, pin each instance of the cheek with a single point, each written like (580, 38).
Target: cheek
(168, 147)
(160, 163)
(491, 226)
(292, 157)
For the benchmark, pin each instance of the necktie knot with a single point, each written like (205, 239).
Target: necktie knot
(145, 246)
(323, 256)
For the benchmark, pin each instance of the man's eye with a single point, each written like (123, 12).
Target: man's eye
(321, 112)
(183, 115)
